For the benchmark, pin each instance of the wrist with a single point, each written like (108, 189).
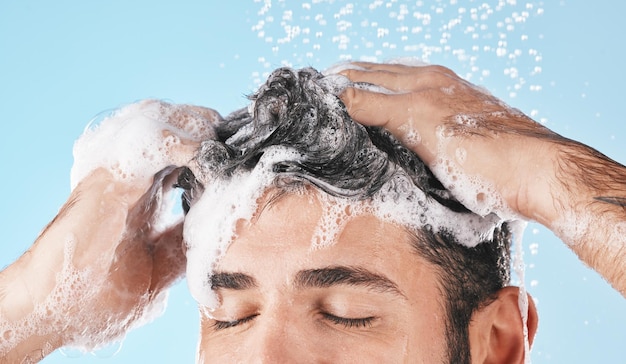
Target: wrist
(28, 331)
(542, 195)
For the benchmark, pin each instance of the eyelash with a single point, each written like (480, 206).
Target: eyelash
(223, 325)
(348, 323)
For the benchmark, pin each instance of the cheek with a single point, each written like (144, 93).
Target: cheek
(212, 348)
(427, 338)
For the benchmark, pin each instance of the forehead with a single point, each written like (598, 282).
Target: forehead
(284, 237)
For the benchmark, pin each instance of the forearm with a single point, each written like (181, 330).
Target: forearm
(26, 332)
(588, 208)
(29, 339)
(41, 293)
(33, 350)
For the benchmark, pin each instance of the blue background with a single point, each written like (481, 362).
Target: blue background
(63, 62)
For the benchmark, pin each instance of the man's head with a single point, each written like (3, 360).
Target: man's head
(352, 248)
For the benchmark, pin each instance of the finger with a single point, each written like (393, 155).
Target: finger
(389, 67)
(376, 109)
(143, 214)
(410, 117)
(406, 69)
(196, 121)
(209, 114)
(181, 151)
(399, 81)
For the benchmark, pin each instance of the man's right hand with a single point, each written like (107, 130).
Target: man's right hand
(468, 137)
(471, 139)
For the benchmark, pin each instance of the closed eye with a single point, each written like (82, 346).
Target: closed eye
(223, 325)
(350, 323)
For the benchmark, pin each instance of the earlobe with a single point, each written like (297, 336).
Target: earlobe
(497, 332)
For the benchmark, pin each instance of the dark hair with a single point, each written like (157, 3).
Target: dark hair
(299, 109)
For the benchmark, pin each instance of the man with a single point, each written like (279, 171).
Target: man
(371, 290)
(344, 247)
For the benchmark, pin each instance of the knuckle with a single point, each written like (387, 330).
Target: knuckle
(442, 70)
(433, 78)
(350, 73)
(209, 114)
(438, 76)
(350, 97)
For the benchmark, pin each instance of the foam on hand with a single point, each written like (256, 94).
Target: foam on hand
(136, 141)
(134, 144)
(477, 194)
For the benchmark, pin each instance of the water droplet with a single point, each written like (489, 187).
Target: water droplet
(71, 352)
(108, 351)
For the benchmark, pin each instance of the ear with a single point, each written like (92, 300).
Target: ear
(496, 332)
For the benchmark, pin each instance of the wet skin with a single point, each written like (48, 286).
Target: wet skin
(367, 298)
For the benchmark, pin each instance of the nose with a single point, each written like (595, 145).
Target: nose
(268, 339)
(276, 340)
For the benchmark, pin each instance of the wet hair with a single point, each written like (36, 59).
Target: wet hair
(299, 110)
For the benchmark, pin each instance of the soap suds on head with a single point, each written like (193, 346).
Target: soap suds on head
(298, 132)
(336, 213)
(210, 224)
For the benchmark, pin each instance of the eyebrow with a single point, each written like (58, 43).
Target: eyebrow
(314, 278)
(234, 281)
(343, 275)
